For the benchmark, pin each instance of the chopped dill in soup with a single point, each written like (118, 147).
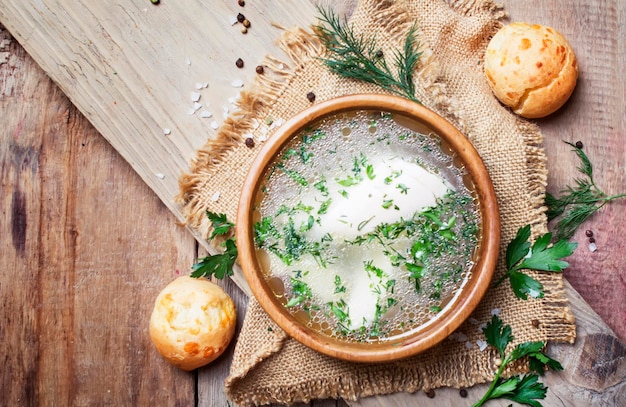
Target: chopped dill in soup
(366, 226)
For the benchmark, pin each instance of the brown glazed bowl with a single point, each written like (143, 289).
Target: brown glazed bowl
(486, 251)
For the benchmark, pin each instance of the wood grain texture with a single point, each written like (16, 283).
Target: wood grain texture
(86, 246)
(76, 221)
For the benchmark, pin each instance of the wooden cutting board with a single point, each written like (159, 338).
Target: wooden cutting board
(132, 67)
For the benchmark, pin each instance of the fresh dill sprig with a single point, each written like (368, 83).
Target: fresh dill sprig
(356, 57)
(577, 203)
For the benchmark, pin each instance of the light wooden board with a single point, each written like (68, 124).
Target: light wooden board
(126, 68)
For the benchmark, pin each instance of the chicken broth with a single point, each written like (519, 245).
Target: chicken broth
(366, 227)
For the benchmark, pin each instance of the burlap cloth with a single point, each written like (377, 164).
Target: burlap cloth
(268, 366)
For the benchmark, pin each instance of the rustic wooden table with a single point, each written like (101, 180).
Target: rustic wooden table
(86, 244)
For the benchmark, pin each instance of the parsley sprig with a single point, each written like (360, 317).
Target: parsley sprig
(541, 256)
(357, 57)
(524, 389)
(218, 265)
(577, 203)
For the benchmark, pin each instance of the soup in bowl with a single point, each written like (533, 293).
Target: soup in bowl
(368, 228)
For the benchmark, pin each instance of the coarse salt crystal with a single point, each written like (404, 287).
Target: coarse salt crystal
(592, 247)
(279, 122)
(238, 83)
(469, 345)
(482, 326)
(205, 114)
(215, 196)
(281, 66)
(225, 109)
(188, 61)
(233, 20)
(458, 337)
(197, 106)
(482, 345)
(167, 131)
(473, 321)
(160, 176)
(191, 111)
(206, 84)
(495, 311)
(215, 125)
(255, 124)
(232, 100)
(263, 137)
(195, 96)
(199, 85)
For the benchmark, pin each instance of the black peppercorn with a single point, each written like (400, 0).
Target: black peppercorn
(579, 144)
(588, 233)
(241, 3)
(260, 69)
(239, 63)
(249, 142)
(240, 17)
(430, 393)
(310, 96)
(379, 53)
(535, 323)
(463, 393)
(592, 240)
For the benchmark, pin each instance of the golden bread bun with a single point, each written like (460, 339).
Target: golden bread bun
(531, 68)
(192, 322)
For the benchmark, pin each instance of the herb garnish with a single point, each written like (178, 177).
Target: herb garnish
(579, 202)
(356, 57)
(218, 265)
(521, 389)
(542, 256)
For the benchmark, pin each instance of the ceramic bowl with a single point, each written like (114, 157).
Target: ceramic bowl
(394, 344)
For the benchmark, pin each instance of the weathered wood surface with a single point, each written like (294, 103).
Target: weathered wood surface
(92, 231)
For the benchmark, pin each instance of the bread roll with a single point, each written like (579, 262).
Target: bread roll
(192, 322)
(531, 68)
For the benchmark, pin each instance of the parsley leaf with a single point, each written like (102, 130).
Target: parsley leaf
(221, 225)
(521, 389)
(217, 265)
(541, 256)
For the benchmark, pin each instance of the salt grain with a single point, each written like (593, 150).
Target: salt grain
(482, 326)
(469, 345)
(205, 114)
(215, 196)
(473, 321)
(199, 85)
(238, 83)
(482, 345)
(232, 100)
(233, 20)
(160, 176)
(215, 125)
(191, 111)
(188, 61)
(167, 131)
(197, 106)
(195, 96)
(495, 311)
(592, 247)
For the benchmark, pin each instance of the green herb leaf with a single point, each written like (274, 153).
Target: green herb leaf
(521, 389)
(547, 258)
(217, 265)
(498, 335)
(357, 57)
(524, 285)
(518, 248)
(542, 256)
(577, 203)
(221, 225)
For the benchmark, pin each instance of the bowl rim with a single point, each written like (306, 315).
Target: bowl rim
(473, 291)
